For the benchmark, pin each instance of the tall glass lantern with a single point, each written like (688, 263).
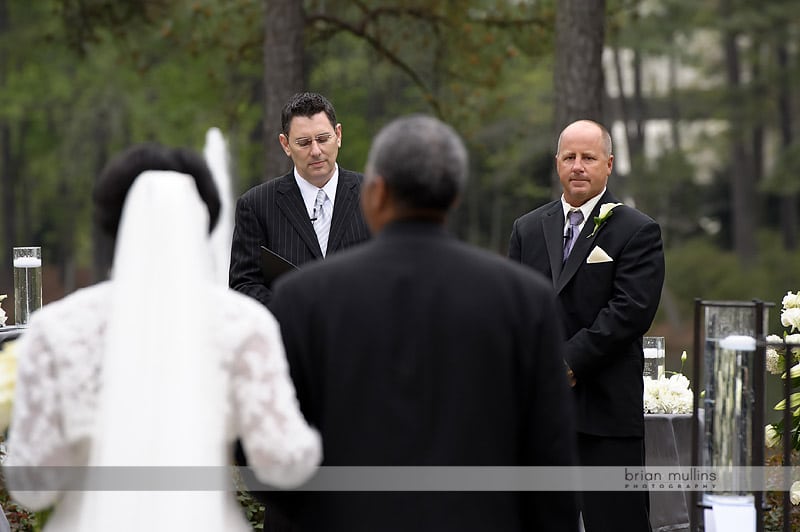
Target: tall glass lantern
(728, 420)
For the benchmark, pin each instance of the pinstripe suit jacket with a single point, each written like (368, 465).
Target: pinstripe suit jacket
(273, 215)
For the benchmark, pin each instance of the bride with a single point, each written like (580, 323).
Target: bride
(160, 366)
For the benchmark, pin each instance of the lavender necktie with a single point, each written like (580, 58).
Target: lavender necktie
(571, 235)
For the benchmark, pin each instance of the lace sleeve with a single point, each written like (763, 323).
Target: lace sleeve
(36, 436)
(280, 446)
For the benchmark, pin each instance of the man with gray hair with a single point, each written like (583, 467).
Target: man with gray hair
(415, 349)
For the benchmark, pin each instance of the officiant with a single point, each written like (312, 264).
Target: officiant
(305, 215)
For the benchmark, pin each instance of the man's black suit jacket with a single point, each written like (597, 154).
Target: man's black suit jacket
(605, 307)
(273, 215)
(415, 349)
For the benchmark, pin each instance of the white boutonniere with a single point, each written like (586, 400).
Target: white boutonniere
(606, 210)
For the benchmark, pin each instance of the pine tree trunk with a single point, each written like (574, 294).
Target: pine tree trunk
(743, 189)
(6, 180)
(788, 209)
(283, 74)
(579, 87)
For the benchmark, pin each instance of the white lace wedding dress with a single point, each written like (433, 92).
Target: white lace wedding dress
(56, 406)
(166, 370)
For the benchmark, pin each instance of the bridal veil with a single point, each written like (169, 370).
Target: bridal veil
(162, 395)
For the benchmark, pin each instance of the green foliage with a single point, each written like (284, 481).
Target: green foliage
(665, 189)
(160, 71)
(483, 66)
(254, 511)
(341, 64)
(699, 269)
(20, 519)
(781, 181)
(773, 516)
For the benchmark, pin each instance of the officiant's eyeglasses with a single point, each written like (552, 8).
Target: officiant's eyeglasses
(322, 139)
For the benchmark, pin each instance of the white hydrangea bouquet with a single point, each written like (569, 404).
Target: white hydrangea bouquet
(3, 316)
(8, 375)
(8, 381)
(668, 395)
(783, 358)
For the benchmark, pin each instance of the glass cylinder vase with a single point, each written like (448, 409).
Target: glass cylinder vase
(731, 387)
(27, 282)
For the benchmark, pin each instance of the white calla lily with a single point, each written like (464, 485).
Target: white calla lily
(606, 210)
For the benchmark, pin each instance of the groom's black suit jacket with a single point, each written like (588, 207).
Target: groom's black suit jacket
(415, 349)
(273, 215)
(605, 307)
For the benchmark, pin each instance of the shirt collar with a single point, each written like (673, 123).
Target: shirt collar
(309, 191)
(586, 208)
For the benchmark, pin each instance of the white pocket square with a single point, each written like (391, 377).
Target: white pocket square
(598, 255)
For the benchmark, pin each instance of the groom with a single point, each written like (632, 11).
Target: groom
(606, 265)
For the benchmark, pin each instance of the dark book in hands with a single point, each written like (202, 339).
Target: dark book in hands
(273, 266)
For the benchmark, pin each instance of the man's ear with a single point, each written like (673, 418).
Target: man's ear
(285, 144)
(382, 192)
(376, 203)
(374, 195)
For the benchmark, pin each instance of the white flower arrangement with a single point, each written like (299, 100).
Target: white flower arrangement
(8, 381)
(776, 360)
(794, 492)
(668, 395)
(784, 360)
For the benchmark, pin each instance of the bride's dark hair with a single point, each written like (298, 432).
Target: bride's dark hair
(119, 174)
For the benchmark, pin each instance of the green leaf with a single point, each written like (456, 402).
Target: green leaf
(794, 402)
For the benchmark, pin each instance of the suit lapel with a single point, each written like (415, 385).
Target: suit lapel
(553, 227)
(346, 203)
(290, 202)
(582, 246)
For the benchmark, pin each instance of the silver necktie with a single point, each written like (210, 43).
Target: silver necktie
(322, 220)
